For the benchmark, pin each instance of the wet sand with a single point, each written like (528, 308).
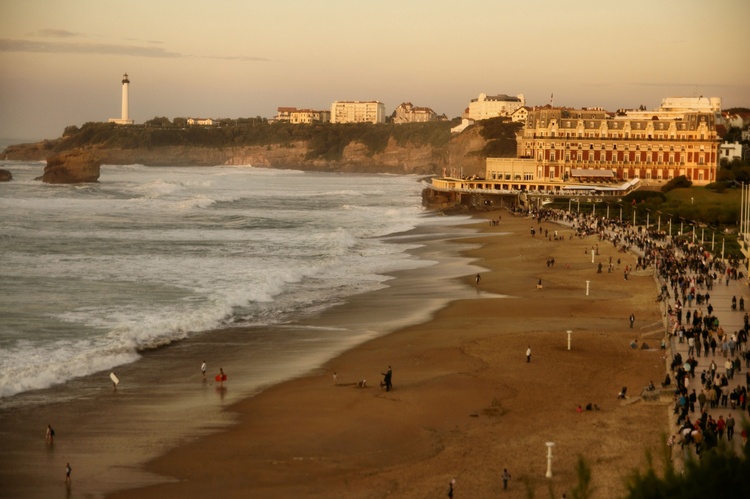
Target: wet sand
(465, 402)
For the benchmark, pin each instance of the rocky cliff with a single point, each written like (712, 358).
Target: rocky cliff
(463, 153)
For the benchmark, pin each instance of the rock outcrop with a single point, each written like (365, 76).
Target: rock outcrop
(5, 176)
(73, 167)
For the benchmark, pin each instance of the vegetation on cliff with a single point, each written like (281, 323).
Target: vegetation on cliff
(501, 138)
(324, 140)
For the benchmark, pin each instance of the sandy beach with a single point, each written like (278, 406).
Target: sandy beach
(465, 402)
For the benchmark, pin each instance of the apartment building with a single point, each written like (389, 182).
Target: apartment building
(358, 112)
(302, 116)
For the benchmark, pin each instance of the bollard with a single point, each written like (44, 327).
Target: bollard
(587, 287)
(569, 333)
(549, 459)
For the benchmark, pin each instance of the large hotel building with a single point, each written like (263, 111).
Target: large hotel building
(562, 150)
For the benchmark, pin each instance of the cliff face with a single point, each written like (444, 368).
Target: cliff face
(355, 158)
(462, 154)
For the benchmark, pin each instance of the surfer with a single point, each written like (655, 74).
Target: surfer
(203, 370)
(50, 434)
(68, 469)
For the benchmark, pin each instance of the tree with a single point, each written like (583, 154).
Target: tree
(718, 473)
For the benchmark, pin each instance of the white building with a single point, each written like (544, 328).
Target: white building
(465, 123)
(357, 112)
(302, 116)
(675, 107)
(730, 151)
(520, 114)
(494, 106)
(200, 121)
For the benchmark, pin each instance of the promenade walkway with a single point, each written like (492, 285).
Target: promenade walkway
(731, 321)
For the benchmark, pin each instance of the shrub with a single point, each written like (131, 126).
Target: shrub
(677, 183)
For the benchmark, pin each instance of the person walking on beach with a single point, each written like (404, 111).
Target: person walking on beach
(450, 487)
(505, 477)
(203, 370)
(68, 469)
(632, 320)
(478, 278)
(50, 434)
(528, 354)
(387, 377)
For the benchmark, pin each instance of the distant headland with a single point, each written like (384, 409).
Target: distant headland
(410, 148)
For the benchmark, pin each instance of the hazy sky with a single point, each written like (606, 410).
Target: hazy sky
(61, 62)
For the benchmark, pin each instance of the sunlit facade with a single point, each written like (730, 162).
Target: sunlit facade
(653, 146)
(358, 112)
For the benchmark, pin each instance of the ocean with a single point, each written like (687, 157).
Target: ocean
(94, 276)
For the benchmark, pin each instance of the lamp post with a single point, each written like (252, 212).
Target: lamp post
(713, 236)
(570, 201)
(648, 217)
(658, 222)
(607, 211)
(620, 214)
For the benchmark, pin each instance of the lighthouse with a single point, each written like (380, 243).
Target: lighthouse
(125, 118)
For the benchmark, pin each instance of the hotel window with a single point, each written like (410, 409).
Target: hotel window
(528, 176)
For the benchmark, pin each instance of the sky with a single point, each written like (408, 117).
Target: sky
(61, 62)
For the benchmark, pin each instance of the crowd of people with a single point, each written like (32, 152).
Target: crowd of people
(687, 274)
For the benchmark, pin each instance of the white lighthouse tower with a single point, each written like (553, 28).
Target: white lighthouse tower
(125, 118)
